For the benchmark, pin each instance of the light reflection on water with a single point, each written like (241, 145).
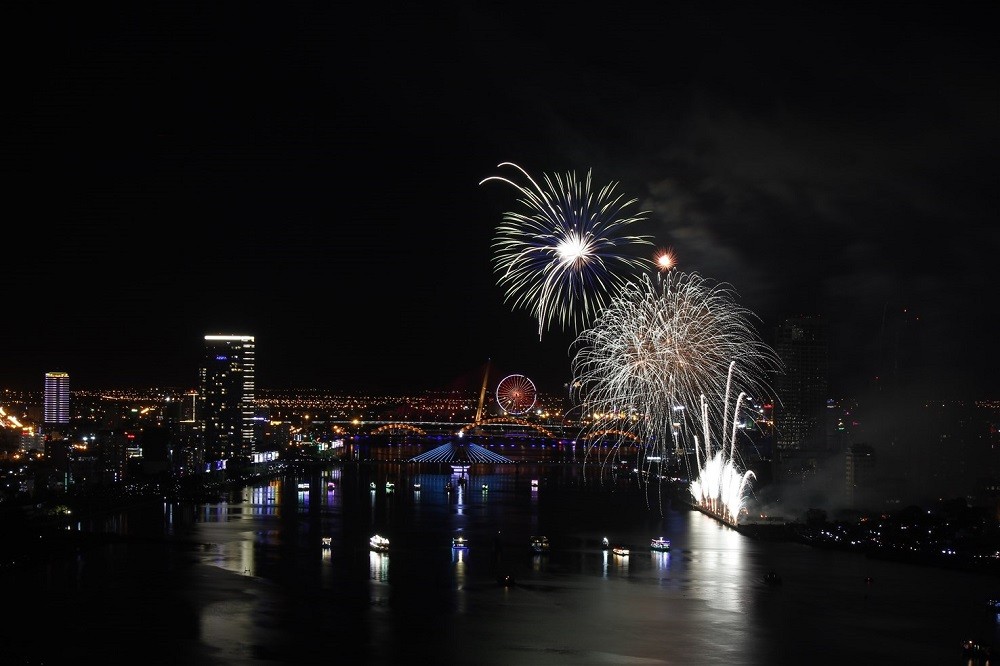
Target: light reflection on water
(378, 565)
(578, 603)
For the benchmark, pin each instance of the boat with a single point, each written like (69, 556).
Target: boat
(485, 487)
(416, 486)
(540, 544)
(621, 551)
(459, 542)
(379, 544)
(605, 544)
(772, 578)
(447, 487)
(659, 544)
(389, 486)
(327, 542)
(372, 485)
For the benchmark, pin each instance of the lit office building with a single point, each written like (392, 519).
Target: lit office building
(228, 397)
(56, 410)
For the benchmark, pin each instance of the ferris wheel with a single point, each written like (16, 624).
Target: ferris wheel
(516, 394)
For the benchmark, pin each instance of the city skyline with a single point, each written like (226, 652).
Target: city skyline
(182, 172)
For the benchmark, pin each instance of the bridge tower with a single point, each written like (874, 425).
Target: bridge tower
(482, 395)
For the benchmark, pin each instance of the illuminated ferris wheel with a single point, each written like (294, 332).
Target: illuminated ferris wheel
(516, 394)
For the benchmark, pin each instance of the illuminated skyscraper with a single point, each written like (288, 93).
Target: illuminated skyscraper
(56, 411)
(228, 397)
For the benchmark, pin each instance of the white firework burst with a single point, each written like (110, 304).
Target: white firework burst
(567, 252)
(659, 362)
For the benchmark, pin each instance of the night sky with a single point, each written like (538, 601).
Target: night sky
(310, 174)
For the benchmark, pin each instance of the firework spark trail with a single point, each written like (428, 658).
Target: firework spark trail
(660, 359)
(565, 256)
(720, 486)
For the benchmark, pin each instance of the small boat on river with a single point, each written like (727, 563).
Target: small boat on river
(379, 544)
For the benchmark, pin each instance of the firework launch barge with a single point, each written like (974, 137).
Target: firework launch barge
(771, 528)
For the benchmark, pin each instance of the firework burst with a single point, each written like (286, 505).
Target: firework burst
(565, 254)
(653, 355)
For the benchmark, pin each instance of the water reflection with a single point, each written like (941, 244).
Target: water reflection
(272, 586)
(717, 563)
(661, 560)
(378, 566)
(264, 498)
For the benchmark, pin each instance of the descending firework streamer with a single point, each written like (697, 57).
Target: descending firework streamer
(566, 254)
(656, 350)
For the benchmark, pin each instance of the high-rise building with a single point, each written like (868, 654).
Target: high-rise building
(859, 475)
(56, 410)
(802, 388)
(801, 411)
(228, 396)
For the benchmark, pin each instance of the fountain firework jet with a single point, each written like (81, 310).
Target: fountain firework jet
(658, 364)
(566, 254)
(720, 487)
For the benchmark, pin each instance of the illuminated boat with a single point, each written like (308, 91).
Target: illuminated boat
(327, 542)
(540, 544)
(605, 544)
(459, 542)
(416, 486)
(372, 485)
(660, 544)
(772, 578)
(621, 551)
(379, 544)
(389, 486)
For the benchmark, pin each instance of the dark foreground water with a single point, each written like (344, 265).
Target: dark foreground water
(248, 581)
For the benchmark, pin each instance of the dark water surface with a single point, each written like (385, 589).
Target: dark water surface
(248, 581)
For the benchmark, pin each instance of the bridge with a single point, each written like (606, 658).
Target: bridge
(461, 454)
(501, 425)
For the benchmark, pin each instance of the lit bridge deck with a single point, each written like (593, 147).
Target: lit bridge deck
(460, 454)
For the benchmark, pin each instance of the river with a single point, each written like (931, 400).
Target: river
(249, 581)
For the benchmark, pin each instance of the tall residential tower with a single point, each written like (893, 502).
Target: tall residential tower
(56, 410)
(228, 396)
